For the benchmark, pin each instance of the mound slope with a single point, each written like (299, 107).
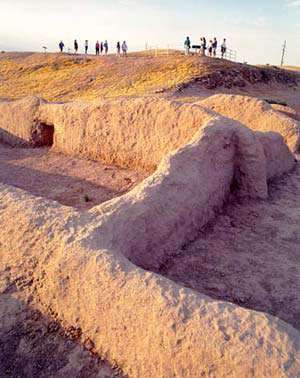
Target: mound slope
(83, 267)
(63, 77)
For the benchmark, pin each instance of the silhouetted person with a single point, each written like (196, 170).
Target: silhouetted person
(187, 45)
(124, 48)
(105, 45)
(61, 46)
(223, 48)
(210, 48)
(86, 46)
(101, 48)
(97, 47)
(215, 46)
(118, 48)
(203, 46)
(75, 46)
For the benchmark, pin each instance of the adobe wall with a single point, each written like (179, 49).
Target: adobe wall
(18, 122)
(80, 269)
(257, 115)
(135, 133)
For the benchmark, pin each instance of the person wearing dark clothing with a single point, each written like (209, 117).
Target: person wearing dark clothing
(203, 45)
(75, 46)
(118, 48)
(215, 46)
(86, 46)
(187, 45)
(101, 48)
(210, 48)
(97, 47)
(61, 46)
(105, 45)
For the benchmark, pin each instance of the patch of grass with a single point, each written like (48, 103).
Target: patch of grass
(58, 77)
(62, 77)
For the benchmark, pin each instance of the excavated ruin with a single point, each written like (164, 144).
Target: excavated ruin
(93, 270)
(258, 115)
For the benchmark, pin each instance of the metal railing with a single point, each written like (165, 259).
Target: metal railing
(156, 51)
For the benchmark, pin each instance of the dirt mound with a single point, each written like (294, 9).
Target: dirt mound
(77, 265)
(242, 75)
(256, 114)
(63, 77)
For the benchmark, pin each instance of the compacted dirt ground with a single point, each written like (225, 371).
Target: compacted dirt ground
(250, 254)
(71, 181)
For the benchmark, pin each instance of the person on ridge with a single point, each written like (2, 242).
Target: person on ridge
(215, 46)
(61, 46)
(86, 46)
(187, 45)
(101, 48)
(97, 47)
(124, 48)
(75, 46)
(223, 48)
(118, 48)
(105, 45)
(210, 48)
(203, 47)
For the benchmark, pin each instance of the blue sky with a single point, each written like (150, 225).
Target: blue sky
(256, 29)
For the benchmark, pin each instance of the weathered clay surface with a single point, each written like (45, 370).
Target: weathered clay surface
(250, 254)
(133, 133)
(256, 114)
(80, 269)
(18, 124)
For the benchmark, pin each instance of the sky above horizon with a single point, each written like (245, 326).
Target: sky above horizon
(256, 29)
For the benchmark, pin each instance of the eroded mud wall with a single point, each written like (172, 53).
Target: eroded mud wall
(18, 122)
(257, 115)
(78, 265)
(135, 133)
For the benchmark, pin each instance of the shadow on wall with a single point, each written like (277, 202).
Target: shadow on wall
(42, 136)
(12, 140)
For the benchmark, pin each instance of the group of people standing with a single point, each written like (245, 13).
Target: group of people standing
(212, 47)
(100, 47)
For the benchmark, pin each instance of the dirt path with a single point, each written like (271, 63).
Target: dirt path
(251, 254)
(73, 182)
